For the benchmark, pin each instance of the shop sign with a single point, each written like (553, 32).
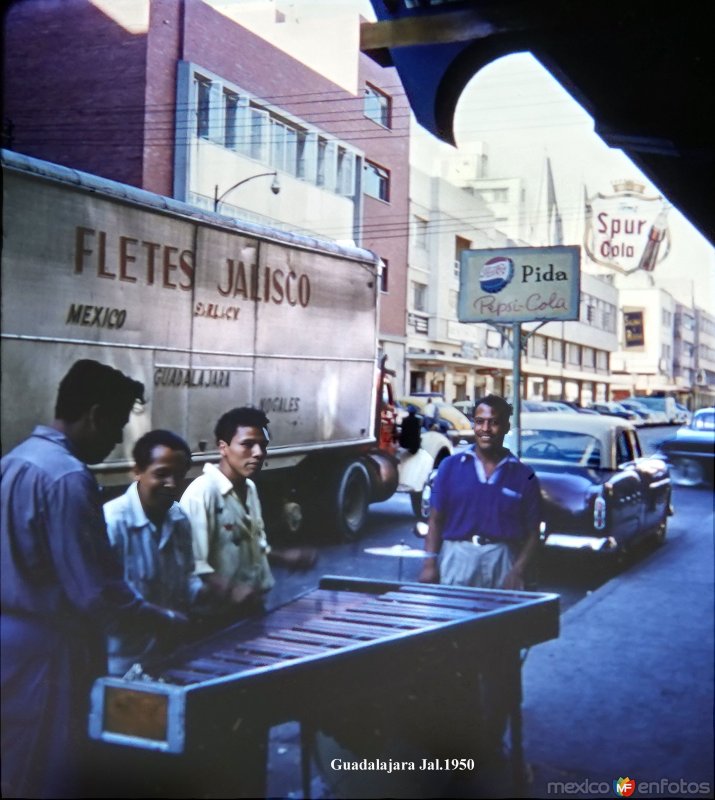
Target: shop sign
(520, 284)
(627, 231)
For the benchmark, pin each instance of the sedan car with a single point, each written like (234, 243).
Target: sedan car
(691, 452)
(599, 492)
(613, 409)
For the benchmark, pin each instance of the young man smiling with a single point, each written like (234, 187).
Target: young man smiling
(484, 521)
(152, 537)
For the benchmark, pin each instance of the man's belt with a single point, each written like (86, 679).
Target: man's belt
(486, 540)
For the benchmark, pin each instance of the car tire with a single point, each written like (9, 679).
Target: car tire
(687, 472)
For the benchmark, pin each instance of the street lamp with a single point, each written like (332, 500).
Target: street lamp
(275, 186)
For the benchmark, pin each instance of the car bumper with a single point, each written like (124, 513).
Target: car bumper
(576, 541)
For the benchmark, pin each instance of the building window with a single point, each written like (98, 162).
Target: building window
(421, 233)
(588, 358)
(284, 146)
(384, 276)
(346, 173)
(557, 351)
(230, 119)
(203, 95)
(573, 354)
(376, 181)
(419, 296)
(538, 346)
(602, 360)
(322, 150)
(500, 195)
(378, 106)
(258, 136)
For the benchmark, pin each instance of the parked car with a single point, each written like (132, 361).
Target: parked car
(657, 415)
(613, 409)
(663, 405)
(577, 407)
(451, 421)
(691, 452)
(645, 415)
(539, 406)
(599, 492)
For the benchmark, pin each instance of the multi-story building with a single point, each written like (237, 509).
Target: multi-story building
(645, 358)
(186, 102)
(464, 210)
(704, 384)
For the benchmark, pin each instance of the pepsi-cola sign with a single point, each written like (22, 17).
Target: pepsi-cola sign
(519, 284)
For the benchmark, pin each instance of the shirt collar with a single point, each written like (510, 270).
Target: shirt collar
(479, 466)
(225, 486)
(137, 518)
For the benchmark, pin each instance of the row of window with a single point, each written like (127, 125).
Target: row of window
(598, 313)
(240, 123)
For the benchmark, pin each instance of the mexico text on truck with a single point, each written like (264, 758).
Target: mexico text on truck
(209, 313)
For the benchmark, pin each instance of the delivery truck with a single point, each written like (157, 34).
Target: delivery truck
(210, 313)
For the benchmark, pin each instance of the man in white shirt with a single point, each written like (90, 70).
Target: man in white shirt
(230, 546)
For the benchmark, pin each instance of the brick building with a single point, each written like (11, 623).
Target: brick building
(175, 97)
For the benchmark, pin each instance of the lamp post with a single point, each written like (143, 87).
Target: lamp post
(275, 186)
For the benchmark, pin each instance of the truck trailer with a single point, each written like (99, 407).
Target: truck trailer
(209, 312)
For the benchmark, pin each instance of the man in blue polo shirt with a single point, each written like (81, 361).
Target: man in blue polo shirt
(483, 530)
(484, 521)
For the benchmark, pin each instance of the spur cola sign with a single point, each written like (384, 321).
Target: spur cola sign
(627, 230)
(519, 284)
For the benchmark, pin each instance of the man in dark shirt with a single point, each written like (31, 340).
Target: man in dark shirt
(62, 588)
(485, 516)
(483, 532)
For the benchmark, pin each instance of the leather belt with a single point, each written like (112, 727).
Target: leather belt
(486, 540)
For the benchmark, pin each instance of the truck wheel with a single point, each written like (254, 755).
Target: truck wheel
(687, 472)
(352, 499)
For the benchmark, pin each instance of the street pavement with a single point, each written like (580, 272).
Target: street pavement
(627, 688)
(625, 691)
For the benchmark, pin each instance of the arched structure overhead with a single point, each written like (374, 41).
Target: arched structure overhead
(643, 71)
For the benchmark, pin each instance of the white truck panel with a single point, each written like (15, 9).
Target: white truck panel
(206, 315)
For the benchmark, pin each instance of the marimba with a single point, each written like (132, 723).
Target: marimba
(371, 663)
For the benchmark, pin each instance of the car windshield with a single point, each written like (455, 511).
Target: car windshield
(704, 421)
(566, 446)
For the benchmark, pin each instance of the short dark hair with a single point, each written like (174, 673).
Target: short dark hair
(158, 438)
(245, 416)
(89, 383)
(498, 404)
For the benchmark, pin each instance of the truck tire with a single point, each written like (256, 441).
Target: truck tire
(351, 501)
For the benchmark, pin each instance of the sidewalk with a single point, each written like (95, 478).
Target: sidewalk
(627, 688)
